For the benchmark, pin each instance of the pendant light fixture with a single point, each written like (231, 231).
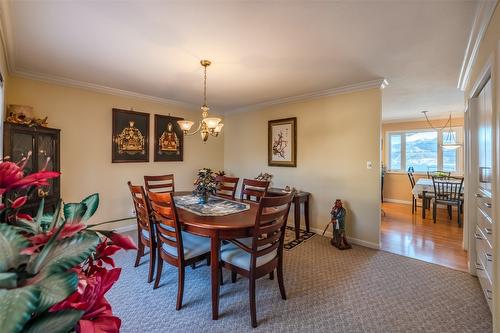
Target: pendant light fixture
(449, 141)
(208, 125)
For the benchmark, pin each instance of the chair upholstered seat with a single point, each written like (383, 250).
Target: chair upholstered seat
(193, 246)
(233, 255)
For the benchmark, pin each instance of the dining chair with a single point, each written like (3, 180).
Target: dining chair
(261, 254)
(145, 229)
(226, 186)
(438, 173)
(160, 184)
(447, 191)
(425, 197)
(252, 188)
(177, 248)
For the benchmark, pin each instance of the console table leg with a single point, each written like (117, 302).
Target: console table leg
(296, 208)
(306, 214)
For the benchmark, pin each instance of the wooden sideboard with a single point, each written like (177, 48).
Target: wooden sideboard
(299, 198)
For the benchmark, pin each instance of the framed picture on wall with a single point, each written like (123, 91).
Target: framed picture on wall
(169, 139)
(282, 142)
(130, 141)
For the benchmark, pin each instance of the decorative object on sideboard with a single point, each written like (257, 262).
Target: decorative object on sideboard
(130, 141)
(208, 125)
(169, 139)
(264, 176)
(205, 185)
(282, 142)
(339, 239)
(40, 147)
(24, 115)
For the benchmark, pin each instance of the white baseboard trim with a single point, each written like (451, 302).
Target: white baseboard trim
(397, 201)
(328, 233)
(355, 241)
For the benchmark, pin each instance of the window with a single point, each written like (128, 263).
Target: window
(421, 150)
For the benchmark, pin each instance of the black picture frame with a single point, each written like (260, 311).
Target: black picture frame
(130, 136)
(289, 139)
(169, 144)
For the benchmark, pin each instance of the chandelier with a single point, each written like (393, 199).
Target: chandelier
(450, 140)
(208, 125)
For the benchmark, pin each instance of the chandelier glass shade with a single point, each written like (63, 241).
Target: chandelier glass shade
(450, 141)
(208, 125)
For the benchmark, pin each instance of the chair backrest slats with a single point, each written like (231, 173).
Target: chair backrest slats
(167, 222)
(160, 184)
(226, 186)
(254, 188)
(447, 188)
(141, 209)
(269, 231)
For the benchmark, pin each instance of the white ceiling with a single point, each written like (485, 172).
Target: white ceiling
(261, 51)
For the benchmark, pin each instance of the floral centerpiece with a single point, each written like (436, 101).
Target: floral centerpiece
(54, 269)
(204, 185)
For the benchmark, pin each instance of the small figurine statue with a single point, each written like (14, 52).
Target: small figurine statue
(339, 239)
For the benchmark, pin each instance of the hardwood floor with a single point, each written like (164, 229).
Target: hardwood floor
(408, 235)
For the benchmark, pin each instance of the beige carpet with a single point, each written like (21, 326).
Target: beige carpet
(358, 290)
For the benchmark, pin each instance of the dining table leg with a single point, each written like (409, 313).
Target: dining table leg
(214, 266)
(424, 204)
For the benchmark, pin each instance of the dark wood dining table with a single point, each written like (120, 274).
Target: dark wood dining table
(218, 228)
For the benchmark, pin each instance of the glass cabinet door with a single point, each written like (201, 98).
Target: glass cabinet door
(22, 144)
(46, 145)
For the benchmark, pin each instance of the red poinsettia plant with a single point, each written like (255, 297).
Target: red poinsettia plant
(54, 269)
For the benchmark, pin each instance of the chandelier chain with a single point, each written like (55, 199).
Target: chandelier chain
(205, 87)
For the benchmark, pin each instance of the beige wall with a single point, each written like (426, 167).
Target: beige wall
(489, 48)
(335, 139)
(396, 184)
(84, 118)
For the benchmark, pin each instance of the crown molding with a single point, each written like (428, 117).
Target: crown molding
(484, 12)
(454, 115)
(378, 83)
(98, 88)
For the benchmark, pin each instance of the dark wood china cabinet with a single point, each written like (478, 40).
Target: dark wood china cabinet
(44, 143)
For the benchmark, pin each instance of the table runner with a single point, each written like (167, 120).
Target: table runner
(214, 207)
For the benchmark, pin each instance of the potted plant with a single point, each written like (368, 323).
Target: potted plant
(204, 185)
(54, 269)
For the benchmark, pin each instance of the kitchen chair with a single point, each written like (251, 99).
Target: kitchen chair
(261, 254)
(437, 173)
(252, 188)
(226, 186)
(447, 191)
(425, 197)
(145, 230)
(178, 248)
(160, 184)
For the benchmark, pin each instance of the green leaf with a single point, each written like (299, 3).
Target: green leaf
(74, 212)
(56, 287)
(11, 244)
(39, 217)
(25, 225)
(36, 262)
(56, 217)
(92, 202)
(16, 307)
(55, 322)
(44, 222)
(8, 280)
(70, 252)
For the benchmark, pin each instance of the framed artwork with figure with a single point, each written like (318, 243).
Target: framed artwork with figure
(169, 139)
(130, 140)
(282, 142)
